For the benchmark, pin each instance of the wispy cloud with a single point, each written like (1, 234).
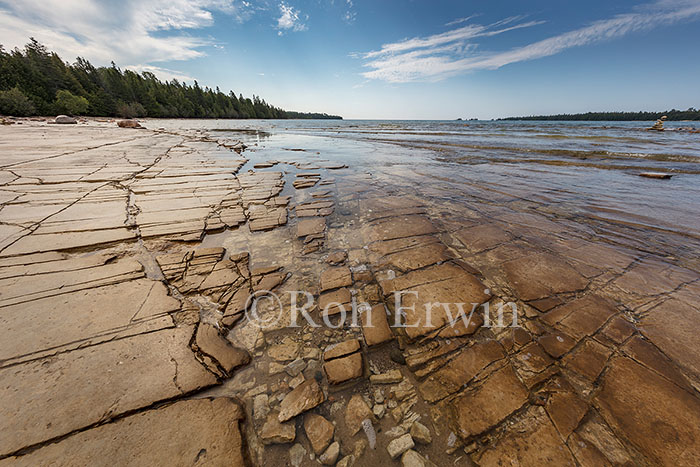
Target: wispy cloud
(290, 19)
(456, 51)
(133, 33)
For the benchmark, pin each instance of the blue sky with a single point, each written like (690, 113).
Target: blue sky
(392, 58)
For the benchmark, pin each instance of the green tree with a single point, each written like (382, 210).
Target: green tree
(14, 102)
(70, 104)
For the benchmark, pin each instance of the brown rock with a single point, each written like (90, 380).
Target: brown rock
(660, 419)
(375, 327)
(356, 412)
(331, 455)
(556, 344)
(274, 432)
(153, 437)
(319, 431)
(532, 441)
(337, 257)
(618, 329)
(340, 349)
(304, 397)
(210, 342)
(501, 394)
(334, 300)
(541, 275)
(566, 410)
(588, 360)
(460, 370)
(581, 317)
(343, 369)
(311, 226)
(128, 124)
(335, 277)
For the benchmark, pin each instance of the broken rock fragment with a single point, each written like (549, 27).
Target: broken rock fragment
(304, 397)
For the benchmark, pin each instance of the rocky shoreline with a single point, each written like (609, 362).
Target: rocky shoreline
(127, 259)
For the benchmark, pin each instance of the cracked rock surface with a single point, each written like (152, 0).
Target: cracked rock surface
(128, 261)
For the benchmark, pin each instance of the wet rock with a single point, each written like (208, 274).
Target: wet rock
(581, 317)
(341, 349)
(356, 411)
(541, 275)
(460, 370)
(400, 445)
(312, 226)
(337, 257)
(210, 342)
(500, 395)
(566, 410)
(420, 433)
(532, 441)
(319, 431)
(659, 418)
(304, 397)
(296, 455)
(331, 455)
(336, 277)
(274, 432)
(556, 344)
(588, 360)
(344, 369)
(657, 175)
(390, 377)
(65, 119)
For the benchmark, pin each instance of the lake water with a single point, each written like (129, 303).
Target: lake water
(584, 171)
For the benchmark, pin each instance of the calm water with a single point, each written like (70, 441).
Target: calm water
(588, 168)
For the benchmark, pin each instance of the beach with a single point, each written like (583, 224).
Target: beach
(129, 259)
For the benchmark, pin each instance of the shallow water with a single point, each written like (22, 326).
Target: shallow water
(581, 168)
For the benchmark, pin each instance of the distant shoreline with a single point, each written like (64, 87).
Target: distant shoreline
(673, 115)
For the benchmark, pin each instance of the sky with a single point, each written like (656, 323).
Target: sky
(391, 59)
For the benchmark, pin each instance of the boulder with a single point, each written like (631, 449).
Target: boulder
(65, 119)
(128, 124)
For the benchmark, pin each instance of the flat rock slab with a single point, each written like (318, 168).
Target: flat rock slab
(336, 277)
(501, 394)
(375, 326)
(311, 226)
(341, 349)
(199, 430)
(343, 369)
(304, 397)
(533, 441)
(77, 389)
(542, 275)
(659, 418)
(319, 431)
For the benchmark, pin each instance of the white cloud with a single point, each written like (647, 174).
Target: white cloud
(133, 33)
(289, 19)
(453, 52)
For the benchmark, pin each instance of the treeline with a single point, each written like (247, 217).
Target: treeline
(673, 115)
(35, 81)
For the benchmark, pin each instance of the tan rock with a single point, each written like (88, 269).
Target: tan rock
(390, 377)
(541, 275)
(274, 432)
(356, 412)
(212, 343)
(336, 277)
(304, 397)
(319, 431)
(501, 394)
(331, 455)
(400, 445)
(343, 369)
(311, 226)
(375, 327)
(340, 349)
(420, 433)
(659, 418)
(153, 437)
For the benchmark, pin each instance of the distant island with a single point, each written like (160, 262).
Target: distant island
(36, 81)
(673, 115)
